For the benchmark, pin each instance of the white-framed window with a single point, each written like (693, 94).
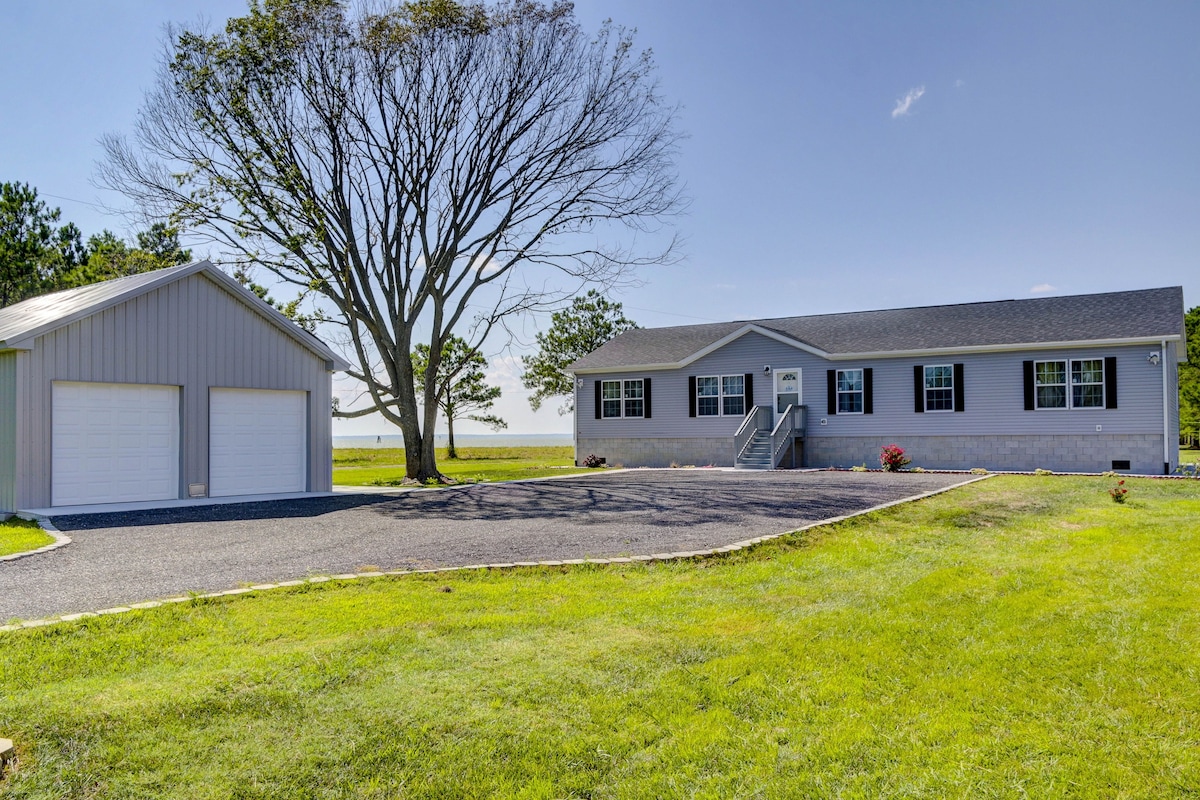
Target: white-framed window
(708, 396)
(721, 395)
(634, 398)
(849, 391)
(610, 399)
(733, 395)
(1087, 383)
(1077, 383)
(939, 387)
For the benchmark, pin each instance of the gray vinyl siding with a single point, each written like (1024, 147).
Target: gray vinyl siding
(1171, 362)
(8, 431)
(190, 333)
(994, 395)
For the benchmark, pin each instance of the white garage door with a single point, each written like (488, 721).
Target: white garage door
(257, 442)
(113, 443)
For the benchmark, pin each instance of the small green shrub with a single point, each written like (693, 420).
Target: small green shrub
(1040, 471)
(978, 471)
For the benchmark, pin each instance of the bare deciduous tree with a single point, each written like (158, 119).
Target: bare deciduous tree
(421, 169)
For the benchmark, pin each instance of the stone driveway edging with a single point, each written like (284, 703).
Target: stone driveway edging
(352, 576)
(60, 538)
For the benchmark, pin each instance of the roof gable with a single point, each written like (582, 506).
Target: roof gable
(23, 322)
(1147, 314)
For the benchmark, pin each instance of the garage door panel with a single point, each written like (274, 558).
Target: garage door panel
(114, 442)
(258, 442)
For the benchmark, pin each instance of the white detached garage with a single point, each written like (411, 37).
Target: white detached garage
(166, 385)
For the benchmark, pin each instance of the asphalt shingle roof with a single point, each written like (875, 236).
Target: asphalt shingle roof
(1146, 313)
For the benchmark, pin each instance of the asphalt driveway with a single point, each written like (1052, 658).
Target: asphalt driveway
(123, 558)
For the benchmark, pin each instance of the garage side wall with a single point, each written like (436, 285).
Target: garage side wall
(8, 432)
(193, 334)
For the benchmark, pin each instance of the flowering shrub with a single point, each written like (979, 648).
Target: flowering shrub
(592, 461)
(891, 458)
(1189, 470)
(1118, 493)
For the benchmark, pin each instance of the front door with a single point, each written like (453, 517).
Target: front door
(787, 389)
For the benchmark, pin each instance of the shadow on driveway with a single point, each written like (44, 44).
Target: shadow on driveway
(122, 558)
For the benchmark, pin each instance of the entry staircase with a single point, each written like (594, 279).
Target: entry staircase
(765, 440)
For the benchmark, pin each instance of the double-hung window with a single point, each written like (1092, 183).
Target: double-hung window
(1074, 383)
(1087, 383)
(721, 395)
(622, 398)
(611, 398)
(634, 398)
(939, 388)
(1050, 380)
(849, 391)
(708, 397)
(733, 395)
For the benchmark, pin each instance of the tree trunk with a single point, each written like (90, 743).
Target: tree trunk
(427, 469)
(450, 451)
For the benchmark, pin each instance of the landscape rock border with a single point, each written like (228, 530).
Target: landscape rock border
(352, 576)
(60, 538)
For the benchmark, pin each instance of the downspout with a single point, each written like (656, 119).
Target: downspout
(1166, 412)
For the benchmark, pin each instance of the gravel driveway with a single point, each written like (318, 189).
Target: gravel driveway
(128, 557)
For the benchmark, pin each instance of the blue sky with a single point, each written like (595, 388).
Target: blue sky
(1043, 148)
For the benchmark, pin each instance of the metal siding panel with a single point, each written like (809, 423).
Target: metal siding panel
(8, 431)
(190, 333)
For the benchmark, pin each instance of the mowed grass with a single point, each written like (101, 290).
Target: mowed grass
(1189, 456)
(1021, 637)
(366, 466)
(21, 536)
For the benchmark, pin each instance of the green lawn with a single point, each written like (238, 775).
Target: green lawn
(366, 466)
(1189, 456)
(1021, 637)
(19, 536)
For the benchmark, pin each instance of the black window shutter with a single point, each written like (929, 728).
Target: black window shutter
(646, 398)
(919, 389)
(1110, 382)
(1028, 385)
(868, 391)
(831, 385)
(598, 403)
(749, 391)
(691, 395)
(960, 389)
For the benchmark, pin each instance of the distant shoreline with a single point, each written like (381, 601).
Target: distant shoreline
(462, 440)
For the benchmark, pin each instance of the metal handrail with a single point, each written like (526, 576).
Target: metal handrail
(782, 435)
(750, 426)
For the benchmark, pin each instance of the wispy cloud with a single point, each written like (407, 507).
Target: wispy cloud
(904, 104)
(960, 83)
(1042, 288)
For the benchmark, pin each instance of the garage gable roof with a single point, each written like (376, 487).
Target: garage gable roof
(1114, 317)
(23, 322)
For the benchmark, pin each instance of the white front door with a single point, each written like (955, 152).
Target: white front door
(113, 443)
(787, 389)
(257, 442)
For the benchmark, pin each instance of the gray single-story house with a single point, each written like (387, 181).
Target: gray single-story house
(1084, 383)
(160, 386)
